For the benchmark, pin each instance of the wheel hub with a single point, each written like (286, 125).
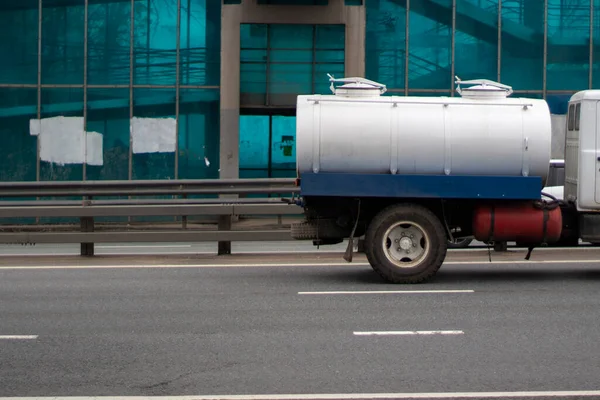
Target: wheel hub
(406, 243)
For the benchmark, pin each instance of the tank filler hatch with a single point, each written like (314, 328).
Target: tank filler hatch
(484, 89)
(356, 87)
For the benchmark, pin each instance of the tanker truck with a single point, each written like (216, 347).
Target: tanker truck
(405, 172)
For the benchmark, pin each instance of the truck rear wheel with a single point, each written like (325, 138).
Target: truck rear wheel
(406, 243)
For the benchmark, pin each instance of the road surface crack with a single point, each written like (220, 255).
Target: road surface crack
(167, 382)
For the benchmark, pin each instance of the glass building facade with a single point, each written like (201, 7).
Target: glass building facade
(130, 89)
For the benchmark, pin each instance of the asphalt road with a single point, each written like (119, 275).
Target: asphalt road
(247, 330)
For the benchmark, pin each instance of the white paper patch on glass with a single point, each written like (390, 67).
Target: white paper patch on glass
(63, 141)
(153, 135)
(94, 148)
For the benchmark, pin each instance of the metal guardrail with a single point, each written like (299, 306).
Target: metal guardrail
(177, 187)
(91, 205)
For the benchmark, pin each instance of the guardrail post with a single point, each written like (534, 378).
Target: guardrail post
(184, 217)
(224, 225)
(87, 225)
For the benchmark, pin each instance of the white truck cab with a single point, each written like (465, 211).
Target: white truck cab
(582, 151)
(582, 161)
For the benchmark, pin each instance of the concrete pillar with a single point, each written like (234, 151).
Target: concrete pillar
(229, 122)
(230, 91)
(355, 20)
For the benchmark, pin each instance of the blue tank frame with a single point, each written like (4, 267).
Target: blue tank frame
(421, 186)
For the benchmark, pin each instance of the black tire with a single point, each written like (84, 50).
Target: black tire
(429, 251)
(459, 243)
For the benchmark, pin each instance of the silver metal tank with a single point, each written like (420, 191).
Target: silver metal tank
(482, 132)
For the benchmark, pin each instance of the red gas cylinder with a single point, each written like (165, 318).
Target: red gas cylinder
(517, 222)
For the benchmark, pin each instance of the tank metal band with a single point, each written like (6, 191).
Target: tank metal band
(316, 143)
(447, 142)
(394, 142)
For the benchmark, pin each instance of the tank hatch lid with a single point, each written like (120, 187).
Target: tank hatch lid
(484, 89)
(356, 87)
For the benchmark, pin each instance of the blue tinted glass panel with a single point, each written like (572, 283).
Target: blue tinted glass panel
(253, 63)
(283, 146)
(321, 83)
(108, 43)
(155, 42)
(476, 41)
(385, 45)
(19, 38)
(329, 56)
(267, 146)
(436, 93)
(335, 58)
(568, 45)
(108, 115)
(288, 80)
(63, 44)
(200, 36)
(558, 103)
(199, 134)
(596, 52)
(430, 45)
(61, 162)
(290, 58)
(330, 37)
(253, 83)
(287, 60)
(153, 134)
(253, 36)
(527, 95)
(254, 143)
(523, 44)
(19, 146)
